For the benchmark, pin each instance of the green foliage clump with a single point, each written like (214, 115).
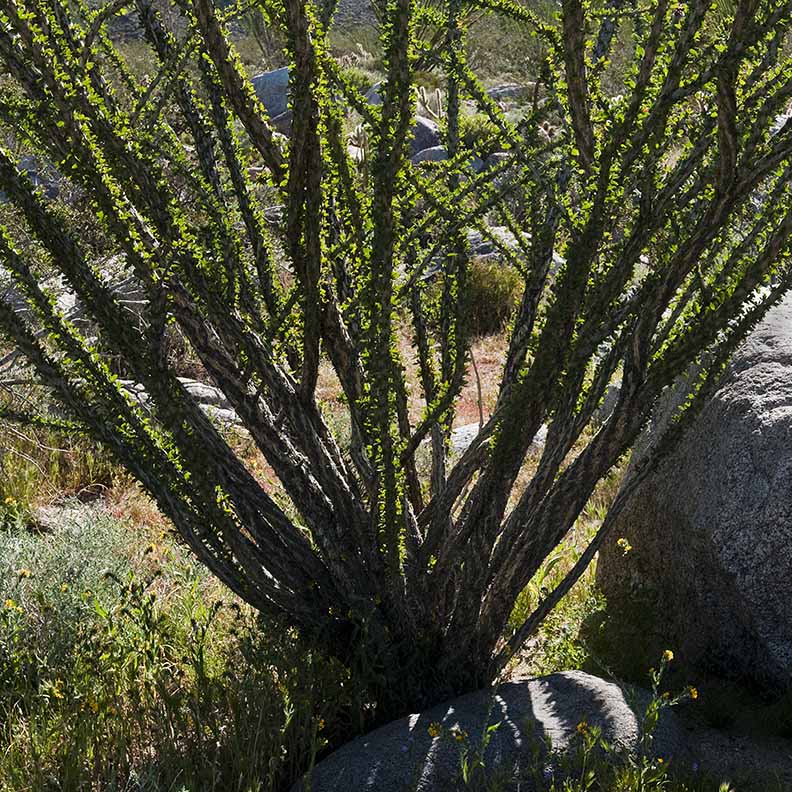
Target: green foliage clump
(360, 78)
(122, 670)
(494, 291)
(479, 135)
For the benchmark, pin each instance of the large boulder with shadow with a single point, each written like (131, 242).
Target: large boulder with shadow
(535, 738)
(272, 89)
(710, 569)
(426, 135)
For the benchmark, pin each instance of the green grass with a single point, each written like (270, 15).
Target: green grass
(130, 669)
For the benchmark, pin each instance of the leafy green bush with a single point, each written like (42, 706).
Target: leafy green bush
(479, 135)
(494, 291)
(360, 77)
(129, 670)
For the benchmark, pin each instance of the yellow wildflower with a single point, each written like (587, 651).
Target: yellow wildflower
(434, 730)
(668, 655)
(24, 572)
(460, 735)
(321, 724)
(9, 501)
(624, 544)
(10, 604)
(581, 727)
(693, 693)
(93, 704)
(660, 760)
(56, 689)
(64, 587)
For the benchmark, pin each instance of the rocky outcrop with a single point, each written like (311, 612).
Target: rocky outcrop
(272, 89)
(426, 135)
(463, 436)
(508, 92)
(536, 726)
(433, 154)
(710, 569)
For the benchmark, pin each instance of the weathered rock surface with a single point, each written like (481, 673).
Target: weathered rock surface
(426, 135)
(463, 436)
(496, 158)
(537, 720)
(352, 13)
(43, 176)
(508, 91)
(711, 531)
(272, 89)
(373, 95)
(483, 247)
(433, 154)
(209, 398)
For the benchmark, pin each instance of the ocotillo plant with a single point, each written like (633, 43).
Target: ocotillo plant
(668, 204)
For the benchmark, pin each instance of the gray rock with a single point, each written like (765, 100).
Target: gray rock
(484, 248)
(210, 399)
(43, 175)
(426, 135)
(272, 89)
(481, 247)
(204, 394)
(463, 436)
(780, 121)
(711, 530)
(508, 91)
(608, 403)
(354, 13)
(434, 154)
(373, 95)
(282, 122)
(537, 725)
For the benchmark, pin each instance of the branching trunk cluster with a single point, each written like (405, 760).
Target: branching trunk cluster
(669, 204)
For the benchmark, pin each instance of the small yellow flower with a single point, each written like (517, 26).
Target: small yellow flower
(660, 760)
(9, 501)
(581, 727)
(152, 548)
(693, 693)
(24, 572)
(321, 724)
(434, 730)
(93, 704)
(56, 689)
(64, 587)
(668, 655)
(460, 735)
(10, 604)
(625, 545)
